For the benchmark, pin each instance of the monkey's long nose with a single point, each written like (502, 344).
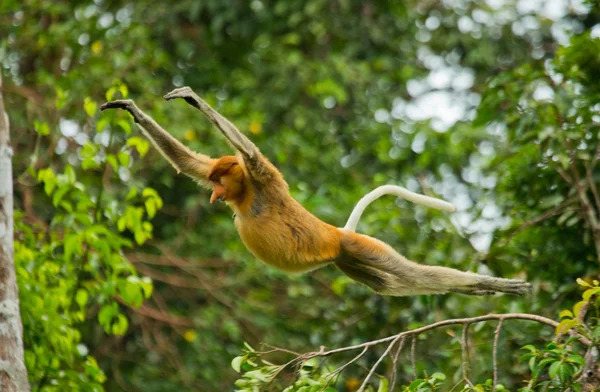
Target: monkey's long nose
(218, 192)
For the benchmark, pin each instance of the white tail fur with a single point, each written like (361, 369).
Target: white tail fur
(397, 191)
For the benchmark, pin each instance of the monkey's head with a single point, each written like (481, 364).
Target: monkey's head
(227, 177)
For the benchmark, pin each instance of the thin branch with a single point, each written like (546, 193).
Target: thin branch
(471, 320)
(175, 321)
(593, 187)
(546, 215)
(275, 348)
(495, 355)
(374, 367)
(337, 371)
(465, 363)
(413, 362)
(395, 365)
(399, 337)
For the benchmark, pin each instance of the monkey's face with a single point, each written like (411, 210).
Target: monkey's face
(228, 179)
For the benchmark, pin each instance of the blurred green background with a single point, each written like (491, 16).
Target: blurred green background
(487, 104)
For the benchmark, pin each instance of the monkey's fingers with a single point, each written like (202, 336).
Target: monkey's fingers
(118, 104)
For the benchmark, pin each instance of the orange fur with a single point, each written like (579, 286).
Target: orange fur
(274, 226)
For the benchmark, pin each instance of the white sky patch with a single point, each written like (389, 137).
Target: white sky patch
(68, 128)
(442, 106)
(543, 93)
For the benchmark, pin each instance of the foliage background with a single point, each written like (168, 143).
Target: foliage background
(472, 101)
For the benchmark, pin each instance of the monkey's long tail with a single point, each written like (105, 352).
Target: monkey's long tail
(398, 191)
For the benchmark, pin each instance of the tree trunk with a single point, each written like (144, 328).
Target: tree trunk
(13, 374)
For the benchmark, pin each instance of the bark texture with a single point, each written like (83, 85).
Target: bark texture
(13, 374)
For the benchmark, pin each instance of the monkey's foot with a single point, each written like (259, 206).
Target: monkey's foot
(118, 104)
(188, 95)
(183, 92)
(508, 286)
(125, 104)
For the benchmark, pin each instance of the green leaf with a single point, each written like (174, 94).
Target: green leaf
(553, 371)
(384, 384)
(102, 124)
(125, 125)
(589, 293)
(236, 363)
(72, 245)
(140, 144)
(150, 208)
(41, 128)
(583, 283)
(120, 325)
(89, 106)
(81, 298)
(578, 306)
(131, 194)
(565, 313)
(439, 376)
(529, 347)
(147, 286)
(59, 194)
(110, 93)
(123, 90)
(578, 359)
(106, 314)
(565, 325)
(70, 173)
(112, 160)
(124, 158)
(532, 363)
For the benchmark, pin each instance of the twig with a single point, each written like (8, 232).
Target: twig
(495, 355)
(546, 215)
(413, 363)
(395, 366)
(337, 371)
(175, 321)
(464, 344)
(374, 367)
(275, 348)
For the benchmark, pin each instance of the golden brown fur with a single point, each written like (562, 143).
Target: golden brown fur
(280, 232)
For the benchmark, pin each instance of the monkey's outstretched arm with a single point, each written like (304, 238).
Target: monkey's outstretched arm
(398, 191)
(184, 160)
(379, 266)
(260, 168)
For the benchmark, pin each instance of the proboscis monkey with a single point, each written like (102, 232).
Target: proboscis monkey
(280, 232)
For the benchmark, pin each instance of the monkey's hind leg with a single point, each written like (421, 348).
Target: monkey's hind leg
(376, 264)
